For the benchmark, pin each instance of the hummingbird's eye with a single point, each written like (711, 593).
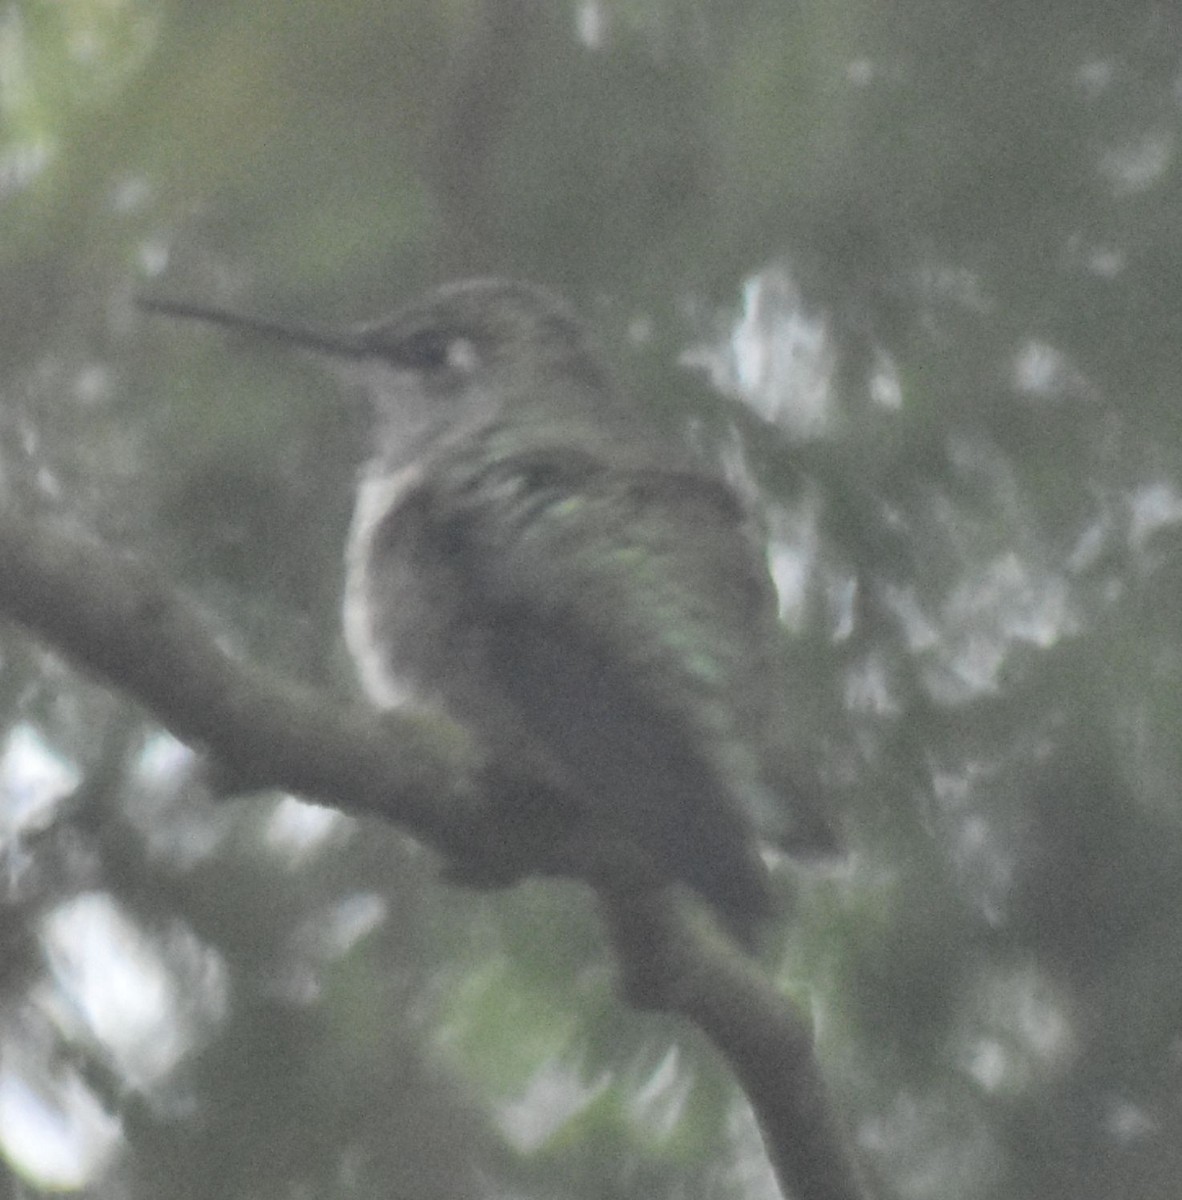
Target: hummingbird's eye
(425, 350)
(433, 350)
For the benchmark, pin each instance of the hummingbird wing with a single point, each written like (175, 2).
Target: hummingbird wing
(624, 618)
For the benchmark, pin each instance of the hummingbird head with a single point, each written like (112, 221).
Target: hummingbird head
(471, 353)
(460, 358)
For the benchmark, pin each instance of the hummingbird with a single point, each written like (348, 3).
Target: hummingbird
(530, 554)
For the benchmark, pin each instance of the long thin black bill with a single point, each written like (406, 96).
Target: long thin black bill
(328, 341)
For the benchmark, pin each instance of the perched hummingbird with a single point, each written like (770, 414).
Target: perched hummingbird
(528, 553)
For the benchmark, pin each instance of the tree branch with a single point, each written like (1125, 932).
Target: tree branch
(117, 621)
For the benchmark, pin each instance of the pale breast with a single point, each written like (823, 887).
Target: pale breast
(374, 625)
(408, 618)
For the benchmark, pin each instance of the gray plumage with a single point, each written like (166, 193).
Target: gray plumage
(526, 553)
